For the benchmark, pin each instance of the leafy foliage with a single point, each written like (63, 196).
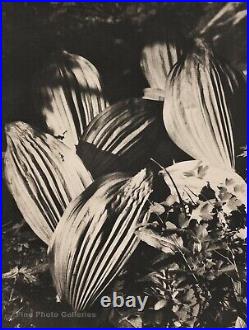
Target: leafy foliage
(201, 263)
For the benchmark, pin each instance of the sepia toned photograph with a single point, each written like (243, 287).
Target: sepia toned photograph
(124, 165)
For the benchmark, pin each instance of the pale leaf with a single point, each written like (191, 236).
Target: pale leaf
(240, 323)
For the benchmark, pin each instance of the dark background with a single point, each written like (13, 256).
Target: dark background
(110, 35)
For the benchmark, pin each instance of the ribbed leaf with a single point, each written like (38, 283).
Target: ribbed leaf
(68, 95)
(43, 175)
(126, 133)
(162, 49)
(229, 15)
(157, 60)
(203, 111)
(96, 236)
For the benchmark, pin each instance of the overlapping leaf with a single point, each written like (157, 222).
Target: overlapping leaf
(95, 236)
(68, 95)
(162, 50)
(125, 134)
(43, 175)
(203, 112)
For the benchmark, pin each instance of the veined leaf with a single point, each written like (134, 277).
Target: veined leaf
(68, 95)
(126, 134)
(43, 175)
(96, 236)
(203, 112)
(162, 49)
